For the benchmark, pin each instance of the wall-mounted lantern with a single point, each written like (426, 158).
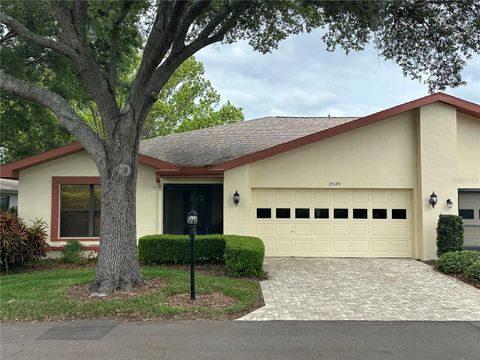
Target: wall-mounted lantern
(449, 203)
(433, 199)
(236, 198)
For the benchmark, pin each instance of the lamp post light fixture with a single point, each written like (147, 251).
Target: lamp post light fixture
(192, 220)
(433, 199)
(236, 198)
(449, 203)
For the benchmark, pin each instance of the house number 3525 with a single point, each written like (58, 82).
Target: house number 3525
(334, 183)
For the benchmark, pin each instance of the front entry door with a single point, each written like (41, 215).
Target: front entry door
(207, 201)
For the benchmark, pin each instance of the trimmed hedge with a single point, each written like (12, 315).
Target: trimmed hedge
(449, 234)
(473, 272)
(242, 255)
(457, 262)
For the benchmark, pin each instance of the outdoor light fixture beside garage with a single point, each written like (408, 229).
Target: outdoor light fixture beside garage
(236, 198)
(433, 199)
(449, 203)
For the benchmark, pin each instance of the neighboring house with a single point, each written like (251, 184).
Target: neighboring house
(8, 194)
(308, 186)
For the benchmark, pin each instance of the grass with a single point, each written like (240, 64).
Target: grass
(42, 296)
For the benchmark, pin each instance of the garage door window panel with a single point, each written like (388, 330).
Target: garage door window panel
(379, 213)
(466, 214)
(282, 213)
(321, 213)
(264, 213)
(360, 213)
(302, 213)
(399, 214)
(340, 213)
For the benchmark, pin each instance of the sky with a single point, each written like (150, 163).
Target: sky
(301, 78)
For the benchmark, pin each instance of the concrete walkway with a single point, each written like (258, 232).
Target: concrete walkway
(362, 289)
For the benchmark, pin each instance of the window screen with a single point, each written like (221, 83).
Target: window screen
(80, 210)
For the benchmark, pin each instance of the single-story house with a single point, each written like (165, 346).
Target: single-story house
(307, 186)
(8, 194)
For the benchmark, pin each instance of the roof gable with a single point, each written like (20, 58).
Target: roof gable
(463, 106)
(197, 153)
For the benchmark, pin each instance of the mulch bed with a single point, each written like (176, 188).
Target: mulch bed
(82, 293)
(212, 300)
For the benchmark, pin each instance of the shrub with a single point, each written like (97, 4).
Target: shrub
(19, 243)
(164, 249)
(473, 272)
(72, 253)
(242, 255)
(449, 234)
(457, 262)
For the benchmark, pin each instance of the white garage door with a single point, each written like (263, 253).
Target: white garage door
(323, 222)
(469, 210)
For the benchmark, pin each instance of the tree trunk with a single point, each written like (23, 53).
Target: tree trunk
(117, 266)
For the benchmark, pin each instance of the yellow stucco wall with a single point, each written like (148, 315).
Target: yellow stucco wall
(35, 190)
(416, 150)
(381, 155)
(468, 152)
(433, 148)
(437, 158)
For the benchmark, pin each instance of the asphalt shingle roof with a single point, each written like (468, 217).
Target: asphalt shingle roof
(219, 144)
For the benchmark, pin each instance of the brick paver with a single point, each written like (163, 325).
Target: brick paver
(362, 289)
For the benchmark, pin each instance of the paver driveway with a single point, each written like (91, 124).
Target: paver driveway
(362, 289)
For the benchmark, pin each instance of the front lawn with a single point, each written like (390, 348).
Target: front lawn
(44, 295)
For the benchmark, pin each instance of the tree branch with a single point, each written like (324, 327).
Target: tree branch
(28, 35)
(67, 116)
(195, 10)
(163, 73)
(159, 42)
(80, 13)
(114, 40)
(74, 34)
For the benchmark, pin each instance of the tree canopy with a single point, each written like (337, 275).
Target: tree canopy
(429, 39)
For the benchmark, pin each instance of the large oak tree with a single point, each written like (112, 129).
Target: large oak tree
(428, 39)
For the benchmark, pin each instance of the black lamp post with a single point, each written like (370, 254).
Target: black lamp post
(192, 220)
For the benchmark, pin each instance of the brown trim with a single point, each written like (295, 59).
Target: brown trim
(155, 163)
(11, 170)
(55, 214)
(84, 248)
(191, 171)
(463, 106)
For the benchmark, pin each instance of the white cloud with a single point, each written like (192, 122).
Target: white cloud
(302, 78)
